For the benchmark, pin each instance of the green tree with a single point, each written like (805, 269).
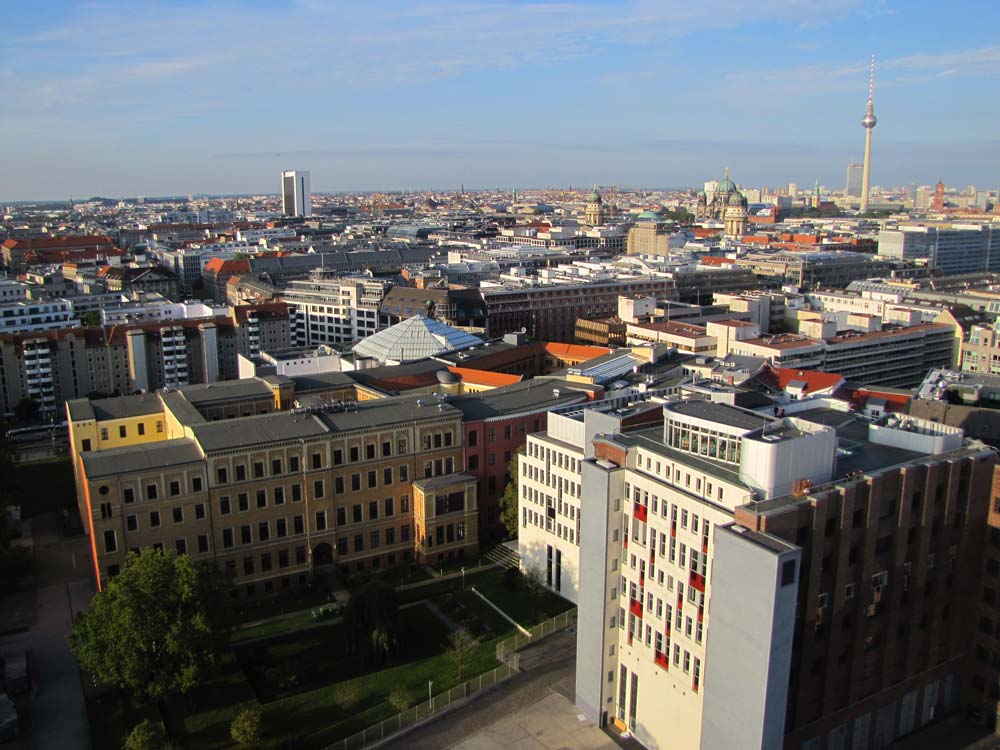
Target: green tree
(246, 727)
(347, 695)
(91, 319)
(399, 698)
(158, 627)
(146, 735)
(461, 645)
(26, 410)
(371, 619)
(508, 500)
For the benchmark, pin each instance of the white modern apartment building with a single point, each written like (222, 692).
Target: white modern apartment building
(296, 197)
(710, 544)
(36, 315)
(333, 310)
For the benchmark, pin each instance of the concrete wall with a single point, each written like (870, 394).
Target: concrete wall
(772, 468)
(601, 485)
(749, 642)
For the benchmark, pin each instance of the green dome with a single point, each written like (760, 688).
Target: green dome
(648, 216)
(594, 197)
(725, 185)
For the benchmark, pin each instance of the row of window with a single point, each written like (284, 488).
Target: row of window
(175, 488)
(265, 562)
(563, 531)
(180, 544)
(123, 430)
(244, 534)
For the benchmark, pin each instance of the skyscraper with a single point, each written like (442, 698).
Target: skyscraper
(854, 177)
(868, 123)
(295, 195)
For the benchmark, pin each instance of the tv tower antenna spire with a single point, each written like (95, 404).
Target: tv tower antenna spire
(868, 123)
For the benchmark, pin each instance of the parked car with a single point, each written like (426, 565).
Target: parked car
(8, 718)
(16, 678)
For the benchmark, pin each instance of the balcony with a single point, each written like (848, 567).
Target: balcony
(661, 660)
(639, 511)
(635, 607)
(625, 542)
(673, 529)
(697, 581)
(652, 558)
(704, 545)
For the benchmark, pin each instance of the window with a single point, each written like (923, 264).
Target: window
(388, 506)
(227, 538)
(263, 531)
(342, 545)
(281, 528)
(106, 510)
(122, 432)
(298, 524)
(788, 573)
(320, 520)
(370, 451)
(199, 511)
(473, 462)
(248, 566)
(275, 465)
(387, 477)
(372, 479)
(355, 454)
(110, 541)
(181, 546)
(283, 558)
(374, 536)
(175, 488)
(202, 543)
(243, 502)
(390, 536)
(104, 433)
(261, 498)
(338, 485)
(404, 504)
(359, 543)
(317, 460)
(196, 484)
(154, 519)
(279, 495)
(356, 482)
(338, 456)
(404, 473)
(341, 516)
(296, 493)
(293, 463)
(132, 523)
(128, 495)
(241, 473)
(225, 507)
(258, 469)
(404, 533)
(246, 536)
(473, 438)
(151, 492)
(318, 488)
(222, 475)
(373, 510)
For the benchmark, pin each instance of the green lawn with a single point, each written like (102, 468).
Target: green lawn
(299, 677)
(288, 623)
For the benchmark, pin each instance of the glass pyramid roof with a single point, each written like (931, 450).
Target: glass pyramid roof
(414, 338)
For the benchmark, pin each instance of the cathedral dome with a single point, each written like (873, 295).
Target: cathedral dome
(725, 186)
(735, 199)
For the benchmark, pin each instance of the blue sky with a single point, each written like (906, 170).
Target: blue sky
(215, 96)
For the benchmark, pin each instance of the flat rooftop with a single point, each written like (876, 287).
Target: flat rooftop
(133, 458)
(121, 407)
(730, 416)
(225, 389)
(537, 394)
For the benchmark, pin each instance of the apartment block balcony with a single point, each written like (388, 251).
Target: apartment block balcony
(697, 581)
(635, 607)
(639, 511)
(661, 660)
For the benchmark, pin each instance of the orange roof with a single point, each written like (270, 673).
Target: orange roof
(715, 260)
(815, 381)
(221, 265)
(575, 351)
(485, 377)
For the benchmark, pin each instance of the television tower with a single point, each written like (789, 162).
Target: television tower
(868, 123)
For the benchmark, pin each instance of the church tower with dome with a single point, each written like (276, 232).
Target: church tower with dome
(594, 213)
(718, 206)
(736, 216)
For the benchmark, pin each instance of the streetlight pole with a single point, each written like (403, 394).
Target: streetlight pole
(463, 578)
(430, 698)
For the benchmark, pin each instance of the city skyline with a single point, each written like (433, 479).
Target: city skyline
(110, 100)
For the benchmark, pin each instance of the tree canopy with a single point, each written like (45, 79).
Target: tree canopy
(508, 500)
(372, 622)
(158, 627)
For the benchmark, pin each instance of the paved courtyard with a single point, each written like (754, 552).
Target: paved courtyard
(552, 723)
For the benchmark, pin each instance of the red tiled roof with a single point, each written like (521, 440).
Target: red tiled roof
(575, 351)
(780, 377)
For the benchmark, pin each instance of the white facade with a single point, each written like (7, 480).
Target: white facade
(296, 196)
(333, 311)
(38, 315)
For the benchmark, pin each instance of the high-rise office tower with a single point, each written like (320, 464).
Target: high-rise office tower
(296, 198)
(854, 175)
(868, 123)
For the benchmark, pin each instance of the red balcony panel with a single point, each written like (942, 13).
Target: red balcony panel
(704, 546)
(630, 638)
(661, 660)
(625, 542)
(673, 530)
(639, 511)
(695, 684)
(652, 557)
(642, 580)
(698, 581)
(635, 607)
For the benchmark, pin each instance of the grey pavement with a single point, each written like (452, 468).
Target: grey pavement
(58, 711)
(553, 668)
